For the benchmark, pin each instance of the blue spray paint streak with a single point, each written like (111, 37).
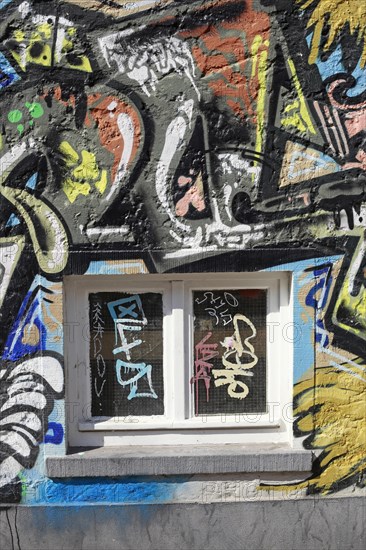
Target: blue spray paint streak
(49, 338)
(7, 74)
(323, 284)
(304, 345)
(129, 490)
(57, 433)
(15, 348)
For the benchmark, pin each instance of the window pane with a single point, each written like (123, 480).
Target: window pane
(126, 353)
(229, 351)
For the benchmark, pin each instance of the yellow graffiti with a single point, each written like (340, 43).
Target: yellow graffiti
(83, 174)
(350, 309)
(37, 47)
(296, 113)
(293, 118)
(340, 418)
(52, 254)
(45, 29)
(260, 66)
(235, 349)
(37, 42)
(337, 15)
(68, 46)
(333, 401)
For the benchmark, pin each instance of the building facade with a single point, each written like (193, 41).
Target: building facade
(182, 273)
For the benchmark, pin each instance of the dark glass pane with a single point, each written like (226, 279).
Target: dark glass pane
(126, 353)
(229, 351)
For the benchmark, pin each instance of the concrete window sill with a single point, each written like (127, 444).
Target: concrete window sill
(177, 460)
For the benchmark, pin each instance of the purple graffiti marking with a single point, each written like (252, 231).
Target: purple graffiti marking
(203, 354)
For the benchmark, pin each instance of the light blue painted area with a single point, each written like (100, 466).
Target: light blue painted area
(315, 163)
(4, 3)
(125, 308)
(334, 65)
(112, 268)
(360, 76)
(32, 182)
(54, 329)
(12, 221)
(305, 330)
(127, 490)
(8, 75)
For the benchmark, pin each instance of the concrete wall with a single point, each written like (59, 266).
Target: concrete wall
(312, 525)
(184, 137)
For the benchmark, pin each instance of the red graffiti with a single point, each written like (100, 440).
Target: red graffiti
(119, 130)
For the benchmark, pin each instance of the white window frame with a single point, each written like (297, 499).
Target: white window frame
(178, 424)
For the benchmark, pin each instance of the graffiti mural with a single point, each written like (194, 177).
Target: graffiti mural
(185, 136)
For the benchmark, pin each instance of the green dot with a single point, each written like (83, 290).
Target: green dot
(20, 128)
(31, 122)
(15, 116)
(35, 110)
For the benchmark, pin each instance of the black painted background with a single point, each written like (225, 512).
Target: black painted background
(253, 304)
(113, 400)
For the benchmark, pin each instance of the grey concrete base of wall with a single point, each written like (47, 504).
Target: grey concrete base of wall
(332, 524)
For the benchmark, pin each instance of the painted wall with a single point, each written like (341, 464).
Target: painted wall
(183, 136)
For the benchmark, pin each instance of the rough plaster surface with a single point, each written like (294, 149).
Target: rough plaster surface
(184, 136)
(327, 524)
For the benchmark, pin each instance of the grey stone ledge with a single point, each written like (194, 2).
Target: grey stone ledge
(177, 460)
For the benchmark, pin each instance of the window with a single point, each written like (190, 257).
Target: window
(178, 358)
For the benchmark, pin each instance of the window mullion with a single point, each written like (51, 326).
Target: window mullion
(177, 361)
